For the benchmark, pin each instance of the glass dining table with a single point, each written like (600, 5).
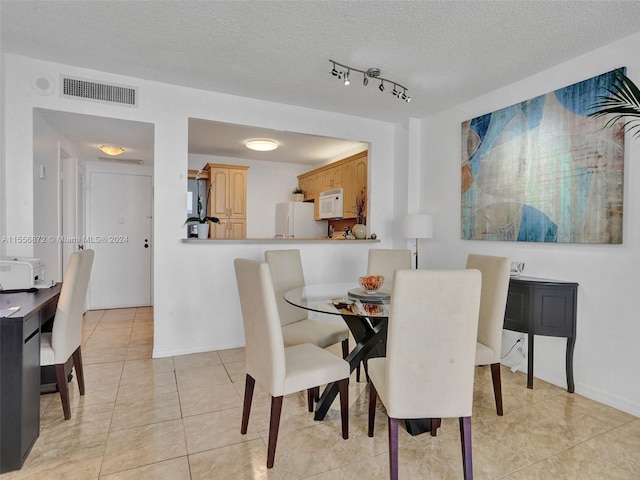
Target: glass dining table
(366, 316)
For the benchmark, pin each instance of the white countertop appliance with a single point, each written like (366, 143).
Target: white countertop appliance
(295, 220)
(20, 273)
(331, 203)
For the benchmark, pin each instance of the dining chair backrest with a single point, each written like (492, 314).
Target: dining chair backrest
(495, 287)
(385, 261)
(431, 343)
(264, 350)
(286, 272)
(66, 335)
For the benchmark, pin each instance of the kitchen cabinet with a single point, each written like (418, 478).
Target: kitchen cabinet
(350, 174)
(228, 200)
(355, 181)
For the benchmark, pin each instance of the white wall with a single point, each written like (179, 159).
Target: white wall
(268, 183)
(607, 354)
(196, 307)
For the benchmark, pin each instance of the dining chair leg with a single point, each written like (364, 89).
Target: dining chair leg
(274, 425)
(310, 398)
(465, 440)
(373, 396)
(316, 393)
(246, 408)
(435, 425)
(63, 387)
(77, 363)
(393, 448)
(497, 386)
(343, 387)
(345, 348)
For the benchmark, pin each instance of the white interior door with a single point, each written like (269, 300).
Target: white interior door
(119, 229)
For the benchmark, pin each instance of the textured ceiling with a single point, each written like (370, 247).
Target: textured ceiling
(444, 52)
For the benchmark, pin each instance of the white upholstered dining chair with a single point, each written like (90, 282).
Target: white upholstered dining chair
(495, 287)
(297, 328)
(385, 261)
(278, 369)
(429, 368)
(62, 346)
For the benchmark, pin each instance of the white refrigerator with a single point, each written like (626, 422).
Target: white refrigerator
(295, 220)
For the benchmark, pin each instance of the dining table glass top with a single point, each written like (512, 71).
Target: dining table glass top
(340, 299)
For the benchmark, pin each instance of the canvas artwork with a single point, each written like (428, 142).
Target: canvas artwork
(543, 171)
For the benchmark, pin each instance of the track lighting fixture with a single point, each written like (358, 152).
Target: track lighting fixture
(399, 91)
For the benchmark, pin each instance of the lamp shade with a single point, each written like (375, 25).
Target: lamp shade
(417, 225)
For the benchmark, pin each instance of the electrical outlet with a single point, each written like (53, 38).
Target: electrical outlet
(522, 345)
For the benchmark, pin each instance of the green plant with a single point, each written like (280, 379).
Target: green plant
(623, 102)
(297, 190)
(202, 212)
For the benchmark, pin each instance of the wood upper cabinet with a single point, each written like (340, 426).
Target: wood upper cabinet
(355, 180)
(350, 174)
(228, 200)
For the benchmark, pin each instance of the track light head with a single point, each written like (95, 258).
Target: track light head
(347, 81)
(381, 86)
(365, 80)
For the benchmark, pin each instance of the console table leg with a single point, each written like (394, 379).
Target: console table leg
(571, 341)
(530, 361)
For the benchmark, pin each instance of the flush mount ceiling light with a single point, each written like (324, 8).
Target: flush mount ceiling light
(261, 145)
(399, 91)
(111, 149)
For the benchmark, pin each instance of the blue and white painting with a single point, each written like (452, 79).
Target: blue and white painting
(544, 171)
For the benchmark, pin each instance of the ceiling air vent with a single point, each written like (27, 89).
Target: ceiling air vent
(101, 92)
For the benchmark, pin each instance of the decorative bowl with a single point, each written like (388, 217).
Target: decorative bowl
(371, 283)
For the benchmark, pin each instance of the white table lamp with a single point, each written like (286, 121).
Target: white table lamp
(417, 225)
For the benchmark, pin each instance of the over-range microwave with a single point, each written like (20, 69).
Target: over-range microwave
(331, 204)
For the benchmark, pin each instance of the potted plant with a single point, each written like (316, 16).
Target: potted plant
(298, 194)
(359, 230)
(202, 218)
(623, 102)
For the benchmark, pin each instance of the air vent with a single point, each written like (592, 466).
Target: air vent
(101, 92)
(130, 161)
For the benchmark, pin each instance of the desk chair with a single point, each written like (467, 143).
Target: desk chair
(280, 370)
(62, 346)
(429, 368)
(286, 273)
(495, 287)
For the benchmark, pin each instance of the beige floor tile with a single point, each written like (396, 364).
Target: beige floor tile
(104, 355)
(146, 387)
(350, 471)
(620, 445)
(58, 469)
(216, 429)
(236, 370)
(147, 366)
(139, 446)
(201, 377)
(196, 360)
(174, 469)
(153, 409)
(232, 355)
(135, 352)
(212, 398)
(242, 461)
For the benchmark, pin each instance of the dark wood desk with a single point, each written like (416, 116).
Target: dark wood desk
(20, 372)
(539, 306)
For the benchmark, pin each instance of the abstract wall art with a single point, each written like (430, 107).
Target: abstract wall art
(544, 171)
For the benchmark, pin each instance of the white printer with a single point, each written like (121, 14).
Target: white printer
(18, 273)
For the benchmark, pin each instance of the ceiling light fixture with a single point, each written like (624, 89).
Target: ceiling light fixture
(111, 149)
(261, 145)
(369, 73)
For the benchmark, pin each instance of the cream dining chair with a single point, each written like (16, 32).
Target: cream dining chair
(429, 368)
(278, 369)
(62, 346)
(385, 261)
(297, 328)
(495, 288)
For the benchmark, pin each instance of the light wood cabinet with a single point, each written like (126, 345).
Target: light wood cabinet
(355, 181)
(350, 174)
(228, 200)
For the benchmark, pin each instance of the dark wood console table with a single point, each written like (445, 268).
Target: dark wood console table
(538, 306)
(20, 372)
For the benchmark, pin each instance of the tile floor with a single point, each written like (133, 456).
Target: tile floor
(179, 418)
